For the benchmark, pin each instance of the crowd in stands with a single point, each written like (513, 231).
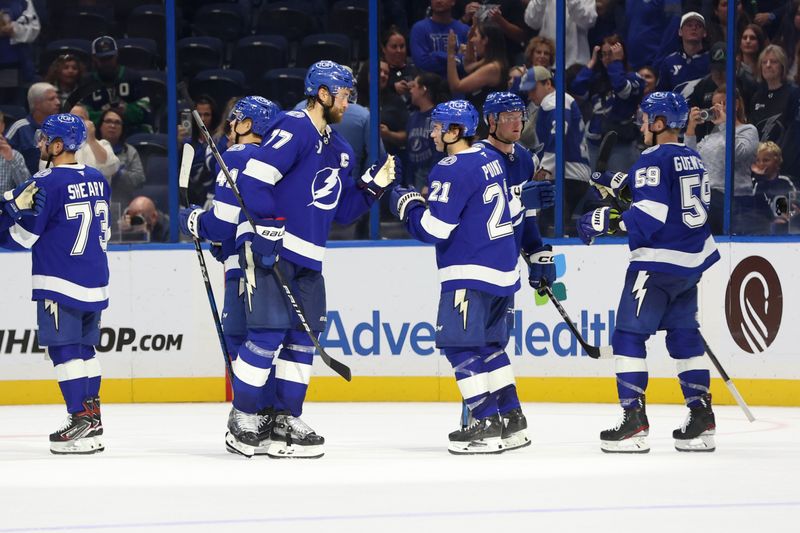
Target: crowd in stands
(617, 52)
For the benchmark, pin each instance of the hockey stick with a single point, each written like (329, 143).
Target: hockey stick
(595, 352)
(728, 383)
(337, 366)
(183, 183)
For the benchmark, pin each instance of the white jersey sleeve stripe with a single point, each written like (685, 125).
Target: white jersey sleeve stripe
(675, 257)
(226, 212)
(294, 372)
(22, 236)
(243, 229)
(303, 247)
(479, 273)
(232, 262)
(70, 289)
(531, 213)
(74, 369)
(657, 210)
(438, 228)
(262, 171)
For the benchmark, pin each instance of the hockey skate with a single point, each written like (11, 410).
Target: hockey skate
(293, 438)
(484, 435)
(513, 434)
(697, 432)
(630, 434)
(93, 406)
(242, 435)
(75, 436)
(266, 421)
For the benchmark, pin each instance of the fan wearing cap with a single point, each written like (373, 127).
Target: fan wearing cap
(112, 86)
(680, 71)
(70, 276)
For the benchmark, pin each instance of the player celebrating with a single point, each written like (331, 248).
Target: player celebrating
(70, 276)
(297, 183)
(505, 115)
(468, 218)
(25, 200)
(671, 246)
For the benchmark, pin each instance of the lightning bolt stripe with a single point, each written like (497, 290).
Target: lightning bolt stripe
(657, 210)
(249, 274)
(461, 303)
(436, 227)
(479, 273)
(52, 307)
(262, 171)
(70, 289)
(675, 257)
(638, 289)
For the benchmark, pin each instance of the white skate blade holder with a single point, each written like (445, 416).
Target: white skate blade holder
(635, 444)
(278, 449)
(475, 447)
(84, 446)
(701, 443)
(235, 446)
(516, 440)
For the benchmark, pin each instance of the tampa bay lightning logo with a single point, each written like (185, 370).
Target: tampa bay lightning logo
(326, 189)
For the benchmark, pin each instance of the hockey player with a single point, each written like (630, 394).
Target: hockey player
(70, 276)
(671, 246)
(25, 200)
(505, 115)
(249, 120)
(467, 217)
(297, 183)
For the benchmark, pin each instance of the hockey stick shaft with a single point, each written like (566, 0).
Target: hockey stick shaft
(186, 164)
(337, 366)
(728, 382)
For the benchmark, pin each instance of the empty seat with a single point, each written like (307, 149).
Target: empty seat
(332, 46)
(138, 52)
(149, 21)
(81, 48)
(219, 84)
(85, 22)
(199, 53)
(293, 19)
(224, 21)
(149, 145)
(257, 54)
(351, 17)
(153, 84)
(284, 86)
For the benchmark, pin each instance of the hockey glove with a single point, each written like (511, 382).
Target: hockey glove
(380, 175)
(601, 221)
(267, 241)
(542, 268)
(190, 220)
(403, 199)
(221, 251)
(614, 184)
(26, 200)
(538, 194)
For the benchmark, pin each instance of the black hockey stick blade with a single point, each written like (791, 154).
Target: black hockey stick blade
(604, 153)
(728, 382)
(595, 352)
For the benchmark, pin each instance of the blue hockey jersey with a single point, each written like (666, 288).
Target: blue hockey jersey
(667, 224)
(305, 177)
(520, 166)
(468, 219)
(68, 239)
(576, 153)
(220, 223)
(681, 72)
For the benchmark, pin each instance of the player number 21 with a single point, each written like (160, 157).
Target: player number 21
(83, 212)
(494, 193)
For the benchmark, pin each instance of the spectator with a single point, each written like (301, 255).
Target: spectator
(427, 91)
(538, 83)
(748, 212)
(540, 51)
(614, 94)
(580, 18)
(65, 74)
(776, 188)
(704, 90)
(508, 15)
(717, 26)
(113, 86)
(789, 36)
(401, 70)
(751, 44)
(130, 175)
(652, 28)
(394, 114)
(201, 180)
(650, 77)
(429, 37)
(774, 108)
(142, 215)
(13, 171)
(42, 102)
(94, 153)
(767, 13)
(485, 63)
(221, 133)
(19, 27)
(680, 71)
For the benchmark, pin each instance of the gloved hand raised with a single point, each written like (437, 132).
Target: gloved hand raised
(614, 184)
(402, 199)
(25, 200)
(537, 194)
(381, 175)
(601, 221)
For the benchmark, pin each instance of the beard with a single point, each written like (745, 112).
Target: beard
(332, 115)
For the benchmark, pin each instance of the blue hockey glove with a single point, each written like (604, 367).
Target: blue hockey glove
(538, 194)
(601, 221)
(614, 184)
(221, 251)
(267, 241)
(190, 220)
(26, 200)
(542, 268)
(380, 176)
(403, 199)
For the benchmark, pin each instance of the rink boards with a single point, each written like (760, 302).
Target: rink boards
(159, 343)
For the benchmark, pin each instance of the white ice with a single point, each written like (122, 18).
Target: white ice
(386, 469)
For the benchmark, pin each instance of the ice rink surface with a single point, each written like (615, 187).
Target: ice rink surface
(386, 469)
